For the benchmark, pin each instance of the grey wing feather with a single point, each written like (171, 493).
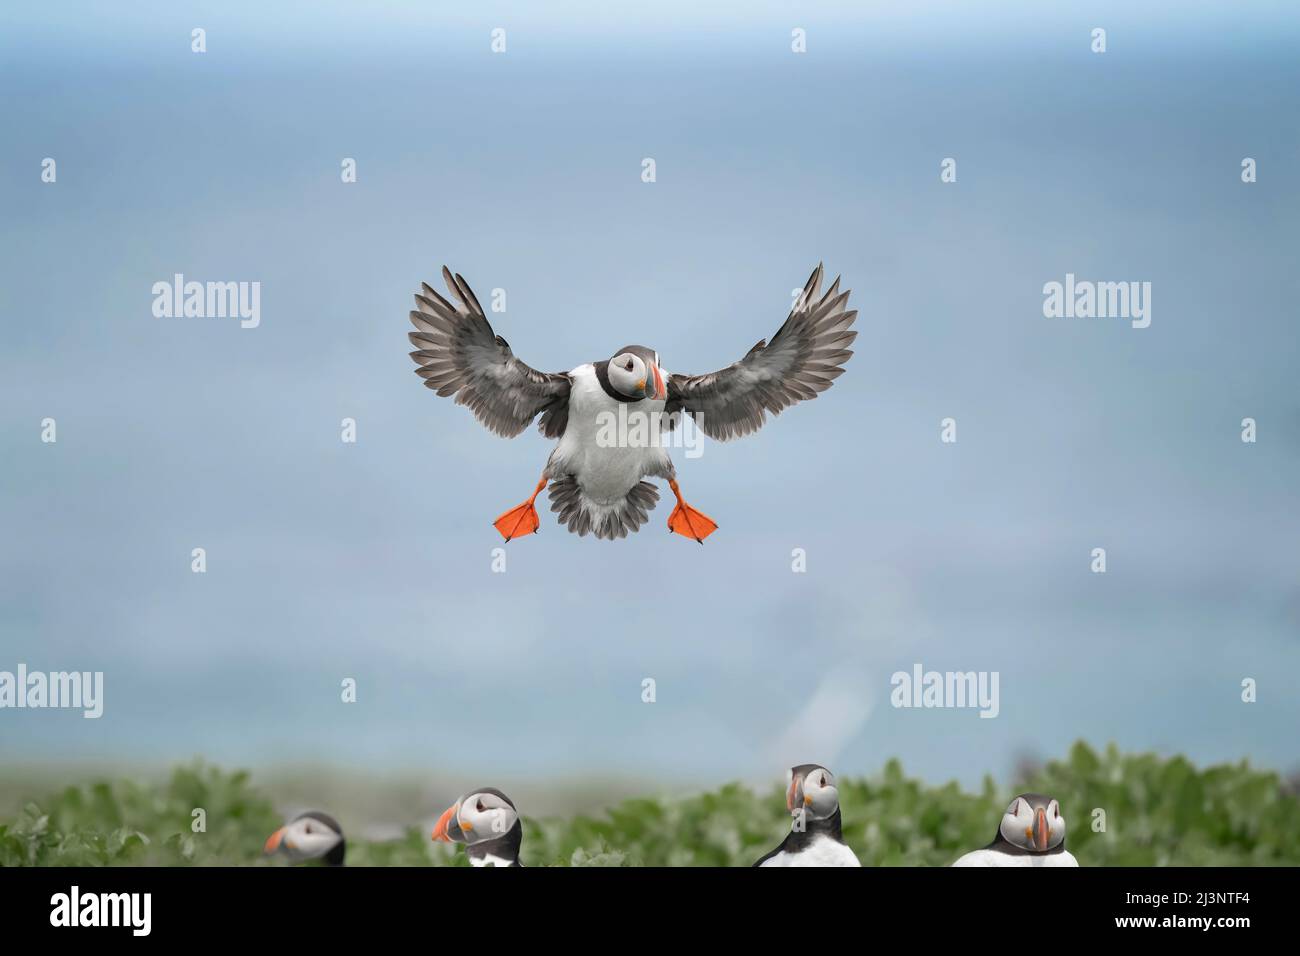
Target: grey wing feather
(804, 357)
(458, 354)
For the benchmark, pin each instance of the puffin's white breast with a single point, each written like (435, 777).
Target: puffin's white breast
(823, 851)
(605, 470)
(994, 858)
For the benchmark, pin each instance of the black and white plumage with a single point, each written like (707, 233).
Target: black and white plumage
(598, 482)
(815, 837)
(804, 357)
(487, 822)
(1030, 833)
(307, 837)
(458, 354)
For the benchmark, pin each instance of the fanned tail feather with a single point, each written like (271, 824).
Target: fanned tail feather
(584, 516)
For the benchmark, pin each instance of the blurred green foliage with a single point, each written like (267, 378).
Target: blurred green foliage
(1158, 812)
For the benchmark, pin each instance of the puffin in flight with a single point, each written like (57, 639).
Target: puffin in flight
(487, 822)
(814, 838)
(1031, 833)
(309, 836)
(596, 483)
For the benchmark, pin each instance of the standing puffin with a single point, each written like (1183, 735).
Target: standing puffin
(595, 477)
(309, 836)
(487, 823)
(1031, 833)
(814, 838)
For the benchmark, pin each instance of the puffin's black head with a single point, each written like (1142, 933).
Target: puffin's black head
(481, 815)
(1033, 823)
(634, 373)
(309, 836)
(811, 788)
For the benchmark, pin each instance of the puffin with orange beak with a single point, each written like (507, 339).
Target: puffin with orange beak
(1031, 833)
(612, 417)
(487, 822)
(815, 837)
(309, 836)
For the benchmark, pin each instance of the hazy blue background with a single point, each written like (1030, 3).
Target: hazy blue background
(523, 171)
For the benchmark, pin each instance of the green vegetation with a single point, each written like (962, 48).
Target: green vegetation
(1158, 811)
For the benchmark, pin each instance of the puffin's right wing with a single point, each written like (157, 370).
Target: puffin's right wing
(807, 353)
(459, 354)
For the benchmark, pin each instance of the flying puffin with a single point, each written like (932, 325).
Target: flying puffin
(309, 836)
(596, 478)
(1031, 833)
(814, 838)
(487, 823)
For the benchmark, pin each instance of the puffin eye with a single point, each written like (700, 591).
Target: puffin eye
(824, 782)
(629, 365)
(480, 805)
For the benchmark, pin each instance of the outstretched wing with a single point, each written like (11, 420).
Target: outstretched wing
(458, 354)
(807, 353)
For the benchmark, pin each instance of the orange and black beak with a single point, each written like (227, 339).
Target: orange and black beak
(794, 798)
(273, 841)
(653, 386)
(661, 390)
(448, 830)
(1040, 830)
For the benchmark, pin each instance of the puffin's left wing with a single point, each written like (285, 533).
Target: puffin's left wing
(459, 354)
(807, 353)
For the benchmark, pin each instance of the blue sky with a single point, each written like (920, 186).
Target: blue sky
(522, 171)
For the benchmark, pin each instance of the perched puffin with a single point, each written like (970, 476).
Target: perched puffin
(309, 836)
(1031, 833)
(610, 416)
(487, 823)
(814, 838)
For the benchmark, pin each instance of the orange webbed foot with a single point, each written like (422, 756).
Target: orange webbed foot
(518, 521)
(688, 521)
(521, 519)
